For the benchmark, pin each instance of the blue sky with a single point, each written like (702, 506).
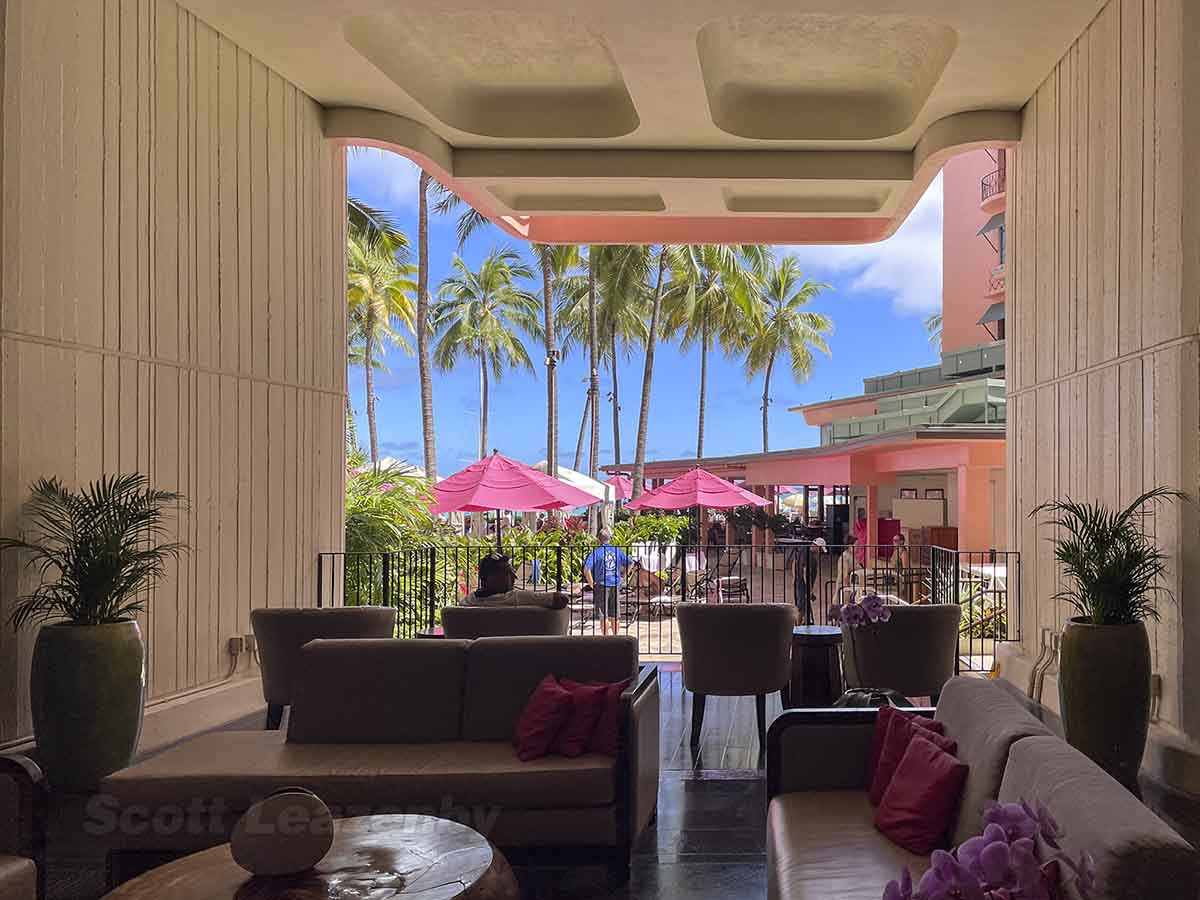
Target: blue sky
(880, 294)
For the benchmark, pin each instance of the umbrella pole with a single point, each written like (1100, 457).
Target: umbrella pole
(499, 545)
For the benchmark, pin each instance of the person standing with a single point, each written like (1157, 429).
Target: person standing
(808, 567)
(860, 536)
(604, 569)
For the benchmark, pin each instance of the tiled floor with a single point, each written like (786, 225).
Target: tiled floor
(708, 841)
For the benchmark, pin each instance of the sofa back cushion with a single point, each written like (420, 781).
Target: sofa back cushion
(502, 673)
(984, 721)
(471, 622)
(378, 692)
(1137, 854)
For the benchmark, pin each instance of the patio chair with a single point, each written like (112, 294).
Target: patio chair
(22, 829)
(912, 653)
(280, 633)
(471, 622)
(735, 651)
(731, 586)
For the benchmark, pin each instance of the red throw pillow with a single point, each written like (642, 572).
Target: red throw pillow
(544, 715)
(901, 730)
(607, 735)
(883, 719)
(587, 704)
(919, 804)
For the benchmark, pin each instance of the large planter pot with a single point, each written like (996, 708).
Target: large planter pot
(87, 691)
(1104, 692)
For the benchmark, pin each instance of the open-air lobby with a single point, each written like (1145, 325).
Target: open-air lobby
(243, 659)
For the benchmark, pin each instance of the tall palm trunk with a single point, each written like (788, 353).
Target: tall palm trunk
(594, 377)
(423, 369)
(369, 375)
(551, 365)
(616, 399)
(639, 450)
(583, 423)
(703, 388)
(766, 399)
(483, 403)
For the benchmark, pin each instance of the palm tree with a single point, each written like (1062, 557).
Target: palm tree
(423, 369)
(378, 289)
(639, 451)
(933, 324)
(556, 261)
(482, 314)
(713, 293)
(785, 327)
(621, 305)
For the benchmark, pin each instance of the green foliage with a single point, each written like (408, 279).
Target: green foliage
(1114, 569)
(746, 517)
(387, 508)
(649, 528)
(97, 549)
(984, 615)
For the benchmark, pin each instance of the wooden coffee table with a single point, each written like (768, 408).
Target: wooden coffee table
(372, 856)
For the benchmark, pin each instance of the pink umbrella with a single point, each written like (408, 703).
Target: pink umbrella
(622, 486)
(697, 488)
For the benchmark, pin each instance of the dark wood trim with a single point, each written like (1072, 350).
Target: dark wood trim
(626, 803)
(32, 793)
(794, 718)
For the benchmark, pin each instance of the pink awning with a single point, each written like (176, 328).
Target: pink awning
(697, 488)
(498, 482)
(622, 486)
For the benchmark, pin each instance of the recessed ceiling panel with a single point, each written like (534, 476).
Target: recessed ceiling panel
(565, 200)
(818, 200)
(505, 75)
(818, 76)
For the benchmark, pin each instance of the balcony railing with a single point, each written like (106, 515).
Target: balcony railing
(420, 581)
(993, 183)
(995, 282)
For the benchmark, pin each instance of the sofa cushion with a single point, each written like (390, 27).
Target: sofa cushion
(503, 671)
(1137, 854)
(985, 721)
(235, 768)
(901, 730)
(587, 705)
(18, 878)
(822, 844)
(542, 719)
(378, 692)
(919, 803)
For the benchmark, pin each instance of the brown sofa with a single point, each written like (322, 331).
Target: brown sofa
(22, 829)
(420, 726)
(471, 622)
(280, 633)
(821, 841)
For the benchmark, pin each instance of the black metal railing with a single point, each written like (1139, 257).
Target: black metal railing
(993, 183)
(419, 581)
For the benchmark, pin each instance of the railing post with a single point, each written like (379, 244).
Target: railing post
(320, 580)
(385, 597)
(431, 588)
(683, 574)
(558, 568)
(956, 595)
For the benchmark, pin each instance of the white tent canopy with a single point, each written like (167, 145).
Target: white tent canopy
(578, 480)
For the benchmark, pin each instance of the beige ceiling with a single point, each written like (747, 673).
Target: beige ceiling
(642, 120)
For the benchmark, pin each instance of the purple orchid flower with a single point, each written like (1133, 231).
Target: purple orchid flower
(1048, 828)
(900, 890)
(947, 879)
(853, 615)
(1012, 818)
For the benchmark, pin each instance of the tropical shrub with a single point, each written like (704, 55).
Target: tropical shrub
(651, 529)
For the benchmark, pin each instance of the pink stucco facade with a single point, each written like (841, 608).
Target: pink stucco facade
(968, 260)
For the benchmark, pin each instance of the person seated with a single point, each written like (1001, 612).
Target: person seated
(497, 580)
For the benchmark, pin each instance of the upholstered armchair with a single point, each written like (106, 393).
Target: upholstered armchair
(735, 651)
(22, 829)
(280, 633)
(470, 622)
(913, 652)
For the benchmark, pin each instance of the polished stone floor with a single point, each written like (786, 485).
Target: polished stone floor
(708, 841)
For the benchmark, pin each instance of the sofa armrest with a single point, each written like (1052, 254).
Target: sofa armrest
(639, 752)
(24, 833)
(821, 749)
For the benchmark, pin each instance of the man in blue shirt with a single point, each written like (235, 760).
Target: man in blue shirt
(603, 570)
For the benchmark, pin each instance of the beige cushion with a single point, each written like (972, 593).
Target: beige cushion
(735, 650)
(18, 878)
(378, 691)
(1137, 854)
(280, 633)
(985, 721)
(503, 671)
(236, 768)
(470, 622)
(822, 844)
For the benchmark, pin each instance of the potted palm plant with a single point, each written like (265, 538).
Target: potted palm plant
(1113, 576)
(96, 551)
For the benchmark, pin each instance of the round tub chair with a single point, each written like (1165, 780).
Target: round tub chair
(735, 651)
(912, 653)
(280, 633)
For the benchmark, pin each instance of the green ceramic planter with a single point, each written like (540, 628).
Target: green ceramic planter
(1104, 691)
(87, 691)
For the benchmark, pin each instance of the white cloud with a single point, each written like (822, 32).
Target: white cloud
(908, 265)
(382, 178)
